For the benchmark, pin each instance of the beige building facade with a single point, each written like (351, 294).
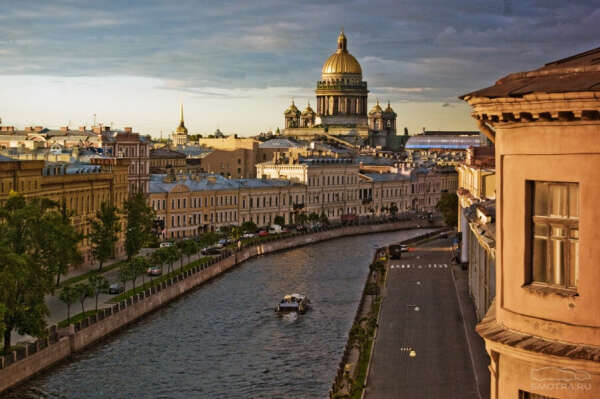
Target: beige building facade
(82, 187)
(543, 334)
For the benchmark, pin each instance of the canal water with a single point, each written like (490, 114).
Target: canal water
(224, 340)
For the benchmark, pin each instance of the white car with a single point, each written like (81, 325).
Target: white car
(248, 235)
(166, 244)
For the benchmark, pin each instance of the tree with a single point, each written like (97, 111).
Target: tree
(68, 295)
(157, 258)
(83, 291)
(24, 278)
(188, 248)
(139, 224)
(57, 242)
(208, 239)
(279, 220)
(104, 233)
(171, 256)
(124, 273)
(301, 218)
(323, 218)
(448, 206)
(100, 285)
(393, 209)
(249, 227)
(313, 217)
(138, 266)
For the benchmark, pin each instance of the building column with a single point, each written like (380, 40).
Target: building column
(464, 247)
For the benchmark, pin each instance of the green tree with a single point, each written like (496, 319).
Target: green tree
(249, 227)
(301, 218)
(171, 256)
(100, 285)
(188, 248)
(125, 273)
(68, 295)
(393, 209)
(83, 291)
(448, 206)
(138, 266)
(280, 220)
(323, 218)
(157, 258)
(58, 242)
(104, 233)
(313, 217)
(208, 239)
(139, 224)
(24, 277)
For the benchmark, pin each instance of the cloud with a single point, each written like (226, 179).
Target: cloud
(432, 50)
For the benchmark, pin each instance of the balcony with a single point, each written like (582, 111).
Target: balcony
(323, 85)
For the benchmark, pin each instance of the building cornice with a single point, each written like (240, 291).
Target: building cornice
(537, 107)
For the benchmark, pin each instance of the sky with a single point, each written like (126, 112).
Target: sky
(236, 65)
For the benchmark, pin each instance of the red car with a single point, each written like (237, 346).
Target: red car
(263, 233)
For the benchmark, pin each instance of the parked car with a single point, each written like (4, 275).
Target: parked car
(300, 227)
(404, 248)
(263, 233)
(116, 288)
(224, 241)
(166, 244)
(275, 229)
(395, 251)
(249, 235)
(154, 271)
(210, 251)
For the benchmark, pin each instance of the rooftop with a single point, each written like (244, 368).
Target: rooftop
(580, 72)
(159, 183)
(280, 143)
(450, 142)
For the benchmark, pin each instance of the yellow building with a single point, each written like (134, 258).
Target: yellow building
(543, 332)
(191, 204)
(82, 187)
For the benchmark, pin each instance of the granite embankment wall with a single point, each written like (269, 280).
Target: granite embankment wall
(58, 345)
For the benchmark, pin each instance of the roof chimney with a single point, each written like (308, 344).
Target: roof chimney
(82, 128)
(128, 129)
(64, 128)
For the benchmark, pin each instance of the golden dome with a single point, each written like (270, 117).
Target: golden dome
(292, 109)
(341, 62)
(308, 110)
(376, 109)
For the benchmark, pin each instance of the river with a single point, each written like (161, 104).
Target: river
(224, 340)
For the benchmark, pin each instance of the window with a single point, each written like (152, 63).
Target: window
(554, 242)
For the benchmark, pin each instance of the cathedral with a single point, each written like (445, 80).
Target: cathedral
(341, 113)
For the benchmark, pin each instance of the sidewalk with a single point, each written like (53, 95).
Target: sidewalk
(479, 356)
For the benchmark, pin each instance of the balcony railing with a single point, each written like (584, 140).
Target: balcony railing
(341, 86)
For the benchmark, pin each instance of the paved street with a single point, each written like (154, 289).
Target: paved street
(421, 350)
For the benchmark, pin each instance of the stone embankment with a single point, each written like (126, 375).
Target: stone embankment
(60, 344)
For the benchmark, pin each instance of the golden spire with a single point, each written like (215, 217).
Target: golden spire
(181, 128)
(342, 42)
